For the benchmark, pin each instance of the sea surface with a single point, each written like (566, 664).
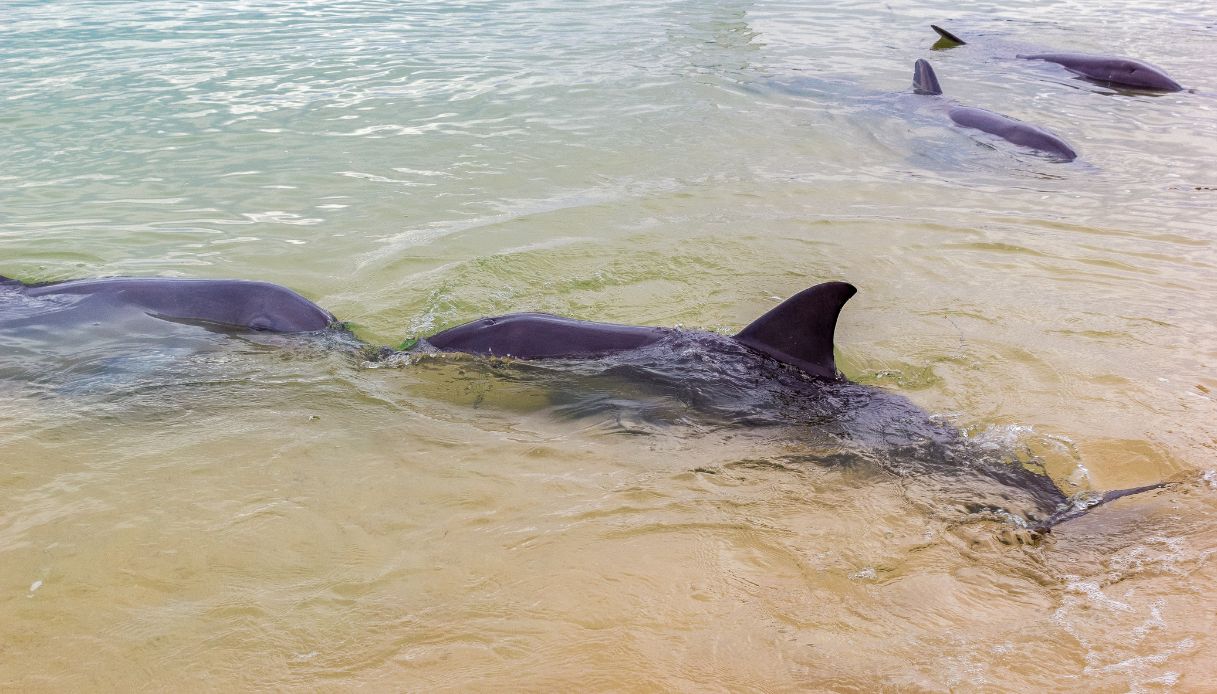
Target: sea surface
(275, 513)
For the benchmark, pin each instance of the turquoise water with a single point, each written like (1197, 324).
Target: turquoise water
(270, 514)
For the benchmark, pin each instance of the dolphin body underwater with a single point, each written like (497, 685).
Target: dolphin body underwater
(779, 369)
(1110, 69)
(925, 82)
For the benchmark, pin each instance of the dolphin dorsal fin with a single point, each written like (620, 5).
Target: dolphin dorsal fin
(924, 79)
(799, 331)
(947, 37)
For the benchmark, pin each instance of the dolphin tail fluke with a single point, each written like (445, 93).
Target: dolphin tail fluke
(947, 37)
(1080, 509)
(924, 79)
(799, 331)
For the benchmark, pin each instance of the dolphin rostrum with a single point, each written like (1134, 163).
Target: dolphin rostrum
(1015, 131)
(1101, 68)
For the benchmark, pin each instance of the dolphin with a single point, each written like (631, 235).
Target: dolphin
(784, 359)
(1113, 69)
(925, 82)
(1101, 68)
(233, 304)
(119, 337)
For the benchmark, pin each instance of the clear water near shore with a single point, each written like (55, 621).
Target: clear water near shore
(282, 515)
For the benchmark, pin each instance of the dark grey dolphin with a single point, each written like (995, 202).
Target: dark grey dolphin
(1116, 70)
(1009, 129)
(747, 376)
(121, 338)
(226, 303)
(1101, 68)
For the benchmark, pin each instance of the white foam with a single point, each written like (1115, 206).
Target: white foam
(1153, 621)
(1092, 590)
(867, 574)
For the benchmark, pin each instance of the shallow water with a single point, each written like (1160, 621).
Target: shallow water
(228, 512)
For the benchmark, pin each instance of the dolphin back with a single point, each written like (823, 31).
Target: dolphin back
(542, 336)
(1012, 130)
(800, 330)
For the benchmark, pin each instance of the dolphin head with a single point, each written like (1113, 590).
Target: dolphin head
(268, 307)
(232, 303)
(1137, 74)
(1113, 69)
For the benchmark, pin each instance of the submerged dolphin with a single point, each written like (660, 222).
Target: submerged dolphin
(1101, 68)
(797, 333)
(237, 304)
(1009, 129)
(119, 338)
